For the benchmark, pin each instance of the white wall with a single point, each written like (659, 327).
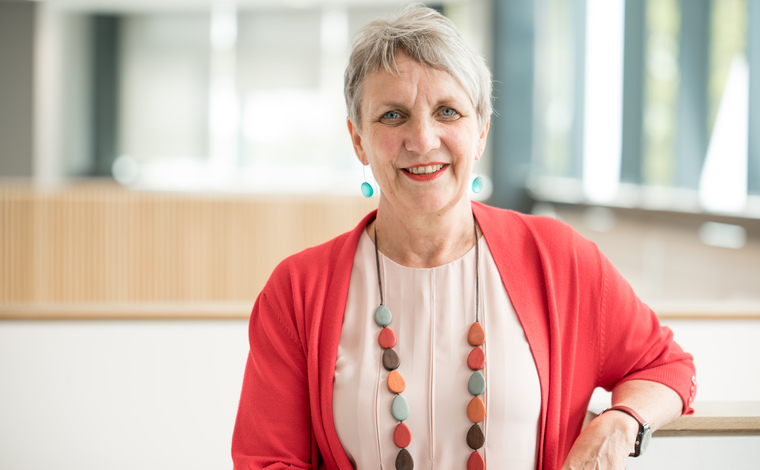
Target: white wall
(119, 395)
(114, 395)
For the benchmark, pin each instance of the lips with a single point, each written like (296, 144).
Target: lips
(426, 172)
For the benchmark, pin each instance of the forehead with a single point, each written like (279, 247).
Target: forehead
(411, 80)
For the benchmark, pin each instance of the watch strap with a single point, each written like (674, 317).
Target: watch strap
(643, 426)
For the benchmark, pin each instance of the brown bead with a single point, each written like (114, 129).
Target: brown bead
(476, 410)
(476, 336)
(404, 460)
(396, 382)
(390, 359)
(475, 437)
(476, 462)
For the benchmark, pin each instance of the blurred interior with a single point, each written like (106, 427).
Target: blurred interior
(159, 158)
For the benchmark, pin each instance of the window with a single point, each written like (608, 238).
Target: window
(646, 104)
(246, 99)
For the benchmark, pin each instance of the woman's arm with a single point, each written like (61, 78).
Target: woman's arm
(273, 427)
(608, 439)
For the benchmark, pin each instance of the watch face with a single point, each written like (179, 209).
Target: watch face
(645, 435)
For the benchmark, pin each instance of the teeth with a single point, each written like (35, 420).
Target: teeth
(424, 170)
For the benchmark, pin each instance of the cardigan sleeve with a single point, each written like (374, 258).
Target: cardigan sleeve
(273, 428)
(633, 343)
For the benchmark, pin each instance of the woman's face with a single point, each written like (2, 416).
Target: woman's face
(420, 135)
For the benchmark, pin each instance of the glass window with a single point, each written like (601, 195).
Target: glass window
(691, 115)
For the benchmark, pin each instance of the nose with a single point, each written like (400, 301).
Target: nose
(422, 136)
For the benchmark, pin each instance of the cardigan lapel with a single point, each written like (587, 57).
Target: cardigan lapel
(327, 338)
(518, 260)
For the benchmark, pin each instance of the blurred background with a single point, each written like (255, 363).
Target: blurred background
(159, 157)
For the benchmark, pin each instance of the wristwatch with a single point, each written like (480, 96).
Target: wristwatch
(645, 433)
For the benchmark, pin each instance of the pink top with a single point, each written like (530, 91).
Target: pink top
(432, 311)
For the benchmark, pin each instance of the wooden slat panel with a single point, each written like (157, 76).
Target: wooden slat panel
(97, 242)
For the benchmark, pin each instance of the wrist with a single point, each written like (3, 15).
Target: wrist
(636, 431)
(621, 427)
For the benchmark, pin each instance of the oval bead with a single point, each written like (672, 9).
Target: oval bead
(396, 382)
(386, 338)
(390, 359)
(476, 462)
(475, 437)
(477, 359)
(383, 316)
(476, 336)
(367, 190)
(399, 408)
(404, 460)
(477, 185)
(402, 437)
(476, 410)
(477, 383)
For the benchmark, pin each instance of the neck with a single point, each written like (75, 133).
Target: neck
(424, 241)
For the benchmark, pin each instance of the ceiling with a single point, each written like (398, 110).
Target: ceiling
(175, 5)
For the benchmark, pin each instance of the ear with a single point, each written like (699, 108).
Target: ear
(356, 140)
(482, 139)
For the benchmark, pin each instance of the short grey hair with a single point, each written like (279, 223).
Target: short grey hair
(427, 37)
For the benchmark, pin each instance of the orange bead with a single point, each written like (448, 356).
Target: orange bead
(476, 462)
(477, 358)
(476, 336)
(386, 339)
(476, 410)
(402, 437)
(396, 382)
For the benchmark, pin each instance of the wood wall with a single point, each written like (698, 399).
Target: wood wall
(98, 242)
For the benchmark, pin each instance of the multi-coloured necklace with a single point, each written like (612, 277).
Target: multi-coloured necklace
(476, 409)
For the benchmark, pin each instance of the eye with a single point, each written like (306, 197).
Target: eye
(449, 112)
(391, 115)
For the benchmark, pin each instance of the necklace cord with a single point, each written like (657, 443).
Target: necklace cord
(477, 270)
(377, 263)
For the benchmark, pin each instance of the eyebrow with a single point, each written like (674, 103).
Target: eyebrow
(448, 100)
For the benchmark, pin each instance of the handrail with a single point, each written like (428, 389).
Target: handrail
(199, 310)
(709, 419)
(716, 419)
(241, 309)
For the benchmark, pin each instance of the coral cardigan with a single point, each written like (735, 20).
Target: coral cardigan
(585, 327)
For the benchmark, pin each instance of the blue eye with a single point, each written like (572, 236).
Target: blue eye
(391, 115)
(449, 112)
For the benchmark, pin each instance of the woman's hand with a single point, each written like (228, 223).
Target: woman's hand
(604, 444)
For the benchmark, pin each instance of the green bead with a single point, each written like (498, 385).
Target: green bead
(400, 408)
(477, 185)
(383, 316)
(367, 190)
(477, 383)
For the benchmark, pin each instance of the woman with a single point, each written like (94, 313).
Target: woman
(442, 333)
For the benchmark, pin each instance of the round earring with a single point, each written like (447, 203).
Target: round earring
(367, 190)
(477, 183)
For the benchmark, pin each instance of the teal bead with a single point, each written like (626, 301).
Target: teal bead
(400, 408)
(477, 383)
(367, 190)
(383, 316)
(477, 185)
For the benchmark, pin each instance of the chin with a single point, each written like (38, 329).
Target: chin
(432, 204)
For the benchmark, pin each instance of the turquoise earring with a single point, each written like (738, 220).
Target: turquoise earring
(477, 183)
(367, 190)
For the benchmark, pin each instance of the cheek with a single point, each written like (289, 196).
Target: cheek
(384, 146)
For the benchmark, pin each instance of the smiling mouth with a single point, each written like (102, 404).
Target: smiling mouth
(424, 170)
